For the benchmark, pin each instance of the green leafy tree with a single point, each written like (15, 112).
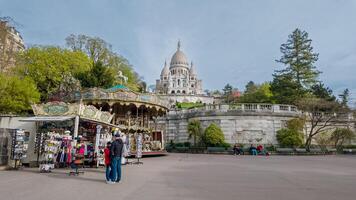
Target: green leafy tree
(257, 94)
(99, 50)
(213, 135)
(289, 138)
(98, 76)
(292, 135)
(340, 135)
(293, 82)
(195, 130)
(17, 95)
(50, 66)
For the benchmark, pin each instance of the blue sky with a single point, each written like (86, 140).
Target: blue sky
(229, 41)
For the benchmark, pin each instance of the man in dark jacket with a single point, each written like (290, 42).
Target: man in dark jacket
(116, 153)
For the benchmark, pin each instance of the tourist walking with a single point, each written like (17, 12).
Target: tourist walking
(107, 158)
(116, 153)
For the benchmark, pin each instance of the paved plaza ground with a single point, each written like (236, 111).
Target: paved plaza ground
(189, 176)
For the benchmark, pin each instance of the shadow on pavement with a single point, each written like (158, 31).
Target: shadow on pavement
(64, 174)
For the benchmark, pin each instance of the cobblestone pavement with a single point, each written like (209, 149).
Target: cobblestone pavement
(189, 176)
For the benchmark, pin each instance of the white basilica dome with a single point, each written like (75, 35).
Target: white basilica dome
(179, 58)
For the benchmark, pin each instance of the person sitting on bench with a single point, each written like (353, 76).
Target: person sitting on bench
(253, 150)
(237, 150)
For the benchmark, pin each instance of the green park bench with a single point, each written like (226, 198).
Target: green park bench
(331, 150)
(182, 149)
(317, 151)
(349, 151)
(301, 151)
(285, 151)
(216, 149)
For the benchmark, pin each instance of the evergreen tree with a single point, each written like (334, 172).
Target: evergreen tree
(345, 98)
(250, 87)
(319, 90)
(286, 90)
(227, 92)
(298, 56)
(293, 82)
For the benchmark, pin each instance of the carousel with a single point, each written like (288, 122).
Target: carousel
(133, 114)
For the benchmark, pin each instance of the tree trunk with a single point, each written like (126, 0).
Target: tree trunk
(308, 143)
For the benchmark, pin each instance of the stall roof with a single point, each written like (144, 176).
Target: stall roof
(98, 122)
(47, 118)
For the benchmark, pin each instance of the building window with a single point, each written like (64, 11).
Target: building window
(172, 92)
(178, 82)
(192, 85)
(183, 91)
(178, 91)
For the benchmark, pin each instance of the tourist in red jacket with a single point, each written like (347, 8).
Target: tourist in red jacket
(107, 161)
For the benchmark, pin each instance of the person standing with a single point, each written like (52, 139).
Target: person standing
(107, 158)
(116, 153)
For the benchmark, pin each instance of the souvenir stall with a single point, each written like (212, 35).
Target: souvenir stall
(66, 131)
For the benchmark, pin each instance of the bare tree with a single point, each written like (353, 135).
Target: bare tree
(322, 116)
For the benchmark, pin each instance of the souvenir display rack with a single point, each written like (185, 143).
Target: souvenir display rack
(54, 148)
(19, 147)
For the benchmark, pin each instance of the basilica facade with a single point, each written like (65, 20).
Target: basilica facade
(180, 78)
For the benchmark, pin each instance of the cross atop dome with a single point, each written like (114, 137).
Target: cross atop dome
(178, 46)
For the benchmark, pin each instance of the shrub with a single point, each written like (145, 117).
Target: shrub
(186, 144)
(271, 148)
(179, 145)
(213, 135)
(289, 138)
(340, 135)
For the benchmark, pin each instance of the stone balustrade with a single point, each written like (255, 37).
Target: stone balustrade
(243, 107)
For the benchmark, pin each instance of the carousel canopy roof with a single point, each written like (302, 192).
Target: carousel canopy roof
(120, 93)
(117, 87)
